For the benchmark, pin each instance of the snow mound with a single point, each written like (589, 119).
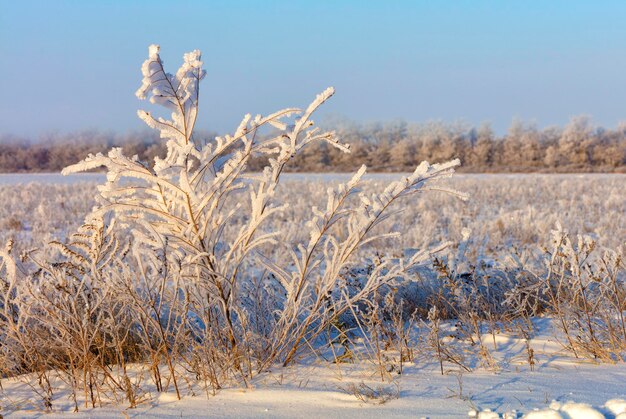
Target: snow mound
(617, 407)
(557, 410)
(580, 411)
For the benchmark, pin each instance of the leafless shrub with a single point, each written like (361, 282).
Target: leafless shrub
(374, 395)
(161, 275)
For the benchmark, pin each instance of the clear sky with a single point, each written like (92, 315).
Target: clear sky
(72, 65)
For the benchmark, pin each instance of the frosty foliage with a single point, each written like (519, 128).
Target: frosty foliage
(172, 269)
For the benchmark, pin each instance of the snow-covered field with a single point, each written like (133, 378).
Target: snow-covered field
(559, 386)
(508, 215)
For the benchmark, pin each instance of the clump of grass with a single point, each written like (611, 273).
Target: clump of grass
(176, 267)
(373, 395)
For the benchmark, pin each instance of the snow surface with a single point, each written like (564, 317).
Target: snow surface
(559, 387)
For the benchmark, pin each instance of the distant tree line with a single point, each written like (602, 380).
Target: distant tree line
(53, 152)
(386, 147)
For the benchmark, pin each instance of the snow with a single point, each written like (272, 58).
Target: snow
(574, 410)
(616, 407)
(560, 387)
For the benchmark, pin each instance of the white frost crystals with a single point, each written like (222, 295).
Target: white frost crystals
(161, 275)
(180, 93)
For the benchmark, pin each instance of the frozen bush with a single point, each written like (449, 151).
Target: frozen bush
(173, 266)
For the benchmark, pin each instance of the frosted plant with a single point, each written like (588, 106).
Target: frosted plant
(175, 265)
(316, 290)
(584, 289)
(587, 295)
(186, 201)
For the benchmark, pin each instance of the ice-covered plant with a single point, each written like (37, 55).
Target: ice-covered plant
(182, 206)
(176, 264)
(583, 289)
(587, 295)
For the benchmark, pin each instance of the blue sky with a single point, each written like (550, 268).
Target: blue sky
(72, 65)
